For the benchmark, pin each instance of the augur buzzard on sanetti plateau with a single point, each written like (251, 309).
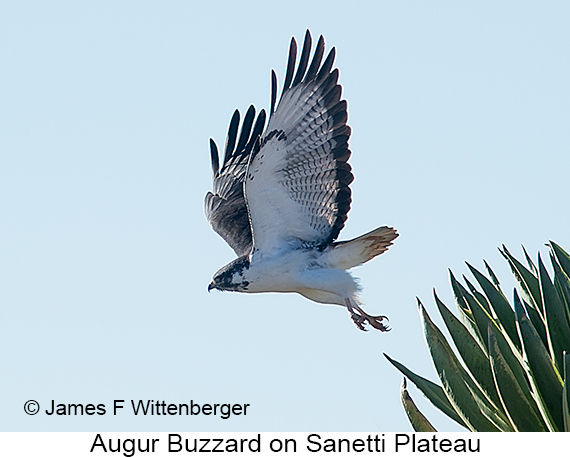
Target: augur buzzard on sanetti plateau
(282, 195)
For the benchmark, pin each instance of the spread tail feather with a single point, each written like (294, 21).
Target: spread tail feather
(349, 254)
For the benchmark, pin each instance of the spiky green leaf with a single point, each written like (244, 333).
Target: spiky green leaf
(545, 378)
(556, 317)
(483, 302)
(431, 390)
(483, 320)
(562, 285)
(467, 304)
(562, 256)
(530, 263)
(466, 315)
(524, 414)
(492, 275)
(499, 303)
(566, 393)
(527, 281)
(473, 355)
(419, 422)
(537, 320)
(465, 396)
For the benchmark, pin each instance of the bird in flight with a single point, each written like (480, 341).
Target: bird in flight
(281, 196)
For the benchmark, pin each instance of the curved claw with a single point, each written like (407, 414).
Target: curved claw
(359, 321)
(360, 318)
(376, 322)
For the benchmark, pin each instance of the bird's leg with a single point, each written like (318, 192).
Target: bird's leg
(356, 318)
(359, 317)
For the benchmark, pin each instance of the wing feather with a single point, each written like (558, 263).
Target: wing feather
(225, 207)
(303, 62)
(297, 185)
(317, 59)
(290, 65)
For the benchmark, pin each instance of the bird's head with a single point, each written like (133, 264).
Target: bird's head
(232, 276)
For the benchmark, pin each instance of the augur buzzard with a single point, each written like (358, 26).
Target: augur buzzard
(282, 195)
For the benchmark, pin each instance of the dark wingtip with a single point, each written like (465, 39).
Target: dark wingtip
(232, 136)
(317, 59)
(273, 91)
(246, 128)
(253, 143)
(327, 65)
(260, 120)
(214, 156)
(304, 60)
(290, 65)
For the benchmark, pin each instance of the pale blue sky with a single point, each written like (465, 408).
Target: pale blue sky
(460, 115)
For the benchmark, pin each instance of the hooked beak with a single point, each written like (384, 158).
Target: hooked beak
(211, 286)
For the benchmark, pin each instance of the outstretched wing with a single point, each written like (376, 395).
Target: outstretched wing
(297, 185)
(225, 207)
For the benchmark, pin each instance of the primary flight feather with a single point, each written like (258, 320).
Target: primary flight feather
(281, 196)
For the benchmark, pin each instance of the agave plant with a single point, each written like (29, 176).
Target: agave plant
(511, 367)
